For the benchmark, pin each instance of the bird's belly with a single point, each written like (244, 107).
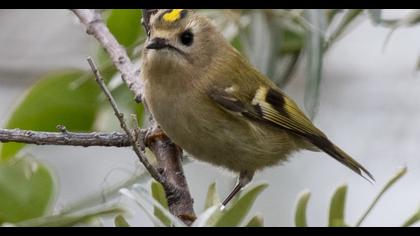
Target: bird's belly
(228, 142)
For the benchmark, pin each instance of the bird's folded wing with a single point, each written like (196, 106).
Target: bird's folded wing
(272, 107)
(269, 106)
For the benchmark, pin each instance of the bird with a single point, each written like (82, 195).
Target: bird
(208, 99)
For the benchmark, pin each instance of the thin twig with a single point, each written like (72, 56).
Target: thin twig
(114, 139)
(123, 124)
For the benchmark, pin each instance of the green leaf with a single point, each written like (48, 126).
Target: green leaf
(348, 18)
(331, 14)
(119, 221)
(234, 215)
(156, 221)
(300, 215)
(159, 195)
(68, 220)
(337, 205)
(208, 217)
(124, 24)
(315, 52)
(26, 190)
(212, 197)
(143, 198)
(68, 98)
(105, 65)
(237, 43)
(256, 221)
(400, 173)
(292, 41)
(124, 97)
(412, 220)
(286, 68)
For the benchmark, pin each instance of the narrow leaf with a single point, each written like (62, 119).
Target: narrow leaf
(400, 173)
(412, 220)
(142, 194)
(348, 18)
(212, 198)
(156, 221)
(256, 221)
(68, 220)
(159, 195)
(286, 67)
(120, 221)
(292, 40)
(234, 215)
(315, 52)
(300, 215)
(331, 14)
(260, 48)
(337, 205)
(207, 217)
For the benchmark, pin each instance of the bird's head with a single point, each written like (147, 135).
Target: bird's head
(180, 38)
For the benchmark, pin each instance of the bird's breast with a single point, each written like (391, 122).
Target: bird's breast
(212, 135)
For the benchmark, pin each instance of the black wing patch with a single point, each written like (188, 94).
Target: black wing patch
(232, 104)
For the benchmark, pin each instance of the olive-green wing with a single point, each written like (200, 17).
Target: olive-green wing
(271, 106)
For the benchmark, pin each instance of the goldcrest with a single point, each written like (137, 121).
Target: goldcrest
(216, 106)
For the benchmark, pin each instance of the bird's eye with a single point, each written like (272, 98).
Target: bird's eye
(187, 38)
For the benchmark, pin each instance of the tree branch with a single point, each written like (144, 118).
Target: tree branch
(169, 157)
(120, 116)
(96, 27)
(167, 153)
(65, 138)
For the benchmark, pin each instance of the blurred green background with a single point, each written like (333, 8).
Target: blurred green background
(354, 71)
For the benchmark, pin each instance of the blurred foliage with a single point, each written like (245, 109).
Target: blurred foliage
(68, 98)
(124, 25)
(276, 41)
(337, 205)
(300, 215)
(336, 216)
(214, 215)
(158, 193)
(75, 219)
(26, 190)
(120, 221)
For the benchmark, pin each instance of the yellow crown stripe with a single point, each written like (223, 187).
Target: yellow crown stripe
(173, 15)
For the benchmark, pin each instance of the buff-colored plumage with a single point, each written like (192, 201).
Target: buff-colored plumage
(215, 105)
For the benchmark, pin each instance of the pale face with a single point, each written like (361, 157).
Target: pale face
(180, 40)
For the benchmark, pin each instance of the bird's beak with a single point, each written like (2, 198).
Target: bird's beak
(157, 43)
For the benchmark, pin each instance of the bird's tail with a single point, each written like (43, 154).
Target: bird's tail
(346, 160)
